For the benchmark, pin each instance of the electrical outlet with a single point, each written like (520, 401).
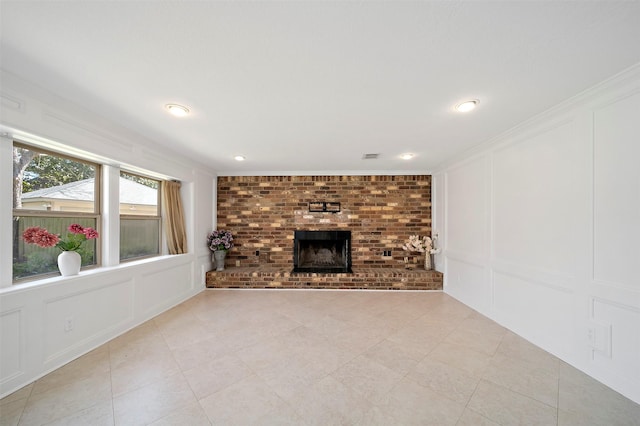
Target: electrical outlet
(257, 252)
(237, 262)
(68, 324)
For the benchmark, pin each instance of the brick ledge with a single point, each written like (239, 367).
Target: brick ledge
(264, 276)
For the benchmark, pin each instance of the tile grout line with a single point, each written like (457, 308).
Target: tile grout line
(113, 408)
(28, 397)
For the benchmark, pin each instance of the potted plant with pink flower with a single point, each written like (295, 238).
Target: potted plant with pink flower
(69, 260)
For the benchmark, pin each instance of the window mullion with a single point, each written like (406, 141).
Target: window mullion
(111, 215)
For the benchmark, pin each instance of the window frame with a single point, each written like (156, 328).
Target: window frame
(96, 215)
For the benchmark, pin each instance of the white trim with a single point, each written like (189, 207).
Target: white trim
(6, 211)
(327, 173)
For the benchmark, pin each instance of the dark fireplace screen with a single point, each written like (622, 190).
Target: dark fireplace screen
(322, 251)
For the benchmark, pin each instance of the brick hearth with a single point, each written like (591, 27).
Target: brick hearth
(265, 276)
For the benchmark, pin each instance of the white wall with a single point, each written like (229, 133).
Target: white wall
(103, 302)
(541, 231)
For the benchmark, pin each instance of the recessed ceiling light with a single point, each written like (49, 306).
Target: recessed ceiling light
(407, 156)
(239, 158)
(467, 106)
(177, 110)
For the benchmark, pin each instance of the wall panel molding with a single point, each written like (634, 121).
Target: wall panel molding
(468, 258)
(536, 276)
(12, 341)
(467, 223)
(163, 288)
(616, 345)
(615, 294)
(616, 196)
(615, 304)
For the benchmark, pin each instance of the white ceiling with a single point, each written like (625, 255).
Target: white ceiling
(312, 86)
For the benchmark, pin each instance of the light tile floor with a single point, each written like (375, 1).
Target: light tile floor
(230, 357)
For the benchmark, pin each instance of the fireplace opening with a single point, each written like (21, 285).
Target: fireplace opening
(322, 251)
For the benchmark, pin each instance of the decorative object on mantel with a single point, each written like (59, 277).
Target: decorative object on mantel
(420, 245)
(410, 262)
(69, 261)
(219, 242)
(433, 251)
(324, 207)
(412, 245)
(427, 255)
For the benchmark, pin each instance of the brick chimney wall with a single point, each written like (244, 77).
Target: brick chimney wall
(380, 211)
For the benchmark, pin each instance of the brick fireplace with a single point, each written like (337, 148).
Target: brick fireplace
(379, 212)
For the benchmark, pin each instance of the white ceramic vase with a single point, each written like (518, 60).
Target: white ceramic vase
(69, 263)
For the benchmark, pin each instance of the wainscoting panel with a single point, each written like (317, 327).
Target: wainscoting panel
(536, 201)
(161, 287)
(72, 320)
(466, 207)
(465, 280)
(542, 313)
(204, 192)
(12, 342)
(616, 192)
(618, 348)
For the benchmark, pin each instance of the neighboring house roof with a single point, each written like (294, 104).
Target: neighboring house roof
(130, 192)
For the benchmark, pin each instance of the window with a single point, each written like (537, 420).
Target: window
(139, 216)
(52, 191)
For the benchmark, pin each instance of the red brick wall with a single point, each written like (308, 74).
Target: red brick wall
(380, 211)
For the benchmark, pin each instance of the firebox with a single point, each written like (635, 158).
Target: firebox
(322, 251)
